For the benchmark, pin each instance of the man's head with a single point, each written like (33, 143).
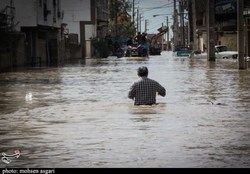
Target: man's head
(142, 71)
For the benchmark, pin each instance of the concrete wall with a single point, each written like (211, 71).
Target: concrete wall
(26, 13)
(74, 12)
(14, 54)
(230, 40)
(31, 13)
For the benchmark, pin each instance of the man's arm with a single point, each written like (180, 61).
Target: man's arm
(131, 93)
(161, 90)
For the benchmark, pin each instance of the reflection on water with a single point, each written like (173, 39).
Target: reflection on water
(79, 115)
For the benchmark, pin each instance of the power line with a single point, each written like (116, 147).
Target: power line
(158, 7)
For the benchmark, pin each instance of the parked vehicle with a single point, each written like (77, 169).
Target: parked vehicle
(182, 51)
(221, 52)
(155, 50)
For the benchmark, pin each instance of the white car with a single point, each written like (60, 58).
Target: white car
(221, 52)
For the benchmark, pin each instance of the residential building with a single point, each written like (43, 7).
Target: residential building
(86, 20)
(225, 29)
(40, 20)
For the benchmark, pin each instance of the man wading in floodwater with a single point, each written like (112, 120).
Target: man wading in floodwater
(144, 90)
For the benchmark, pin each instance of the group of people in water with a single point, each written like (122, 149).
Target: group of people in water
(140, 42)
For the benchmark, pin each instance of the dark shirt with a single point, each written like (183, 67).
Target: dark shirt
(130, 42)
(138, 38)
(144, 90)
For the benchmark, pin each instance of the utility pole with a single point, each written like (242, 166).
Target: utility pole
(162, 39)
(12, 14)
(193, 21)
(140, 22)
(167, 35)
(116, 19)
(240, 38)
(146, 25)
(133, 15)
(181, 9)
(210, 29)
(137, 20)
(133, 11)
(176, 27)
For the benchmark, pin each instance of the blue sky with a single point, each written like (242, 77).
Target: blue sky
(148, 8)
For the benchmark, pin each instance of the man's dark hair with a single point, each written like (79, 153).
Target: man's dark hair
(142, 71)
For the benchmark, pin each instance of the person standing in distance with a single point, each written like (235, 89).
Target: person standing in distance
(144, 90)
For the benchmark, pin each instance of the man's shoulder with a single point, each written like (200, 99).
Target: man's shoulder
(152, 80)
(145, 79)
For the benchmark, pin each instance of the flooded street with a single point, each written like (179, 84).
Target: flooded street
(79, 115)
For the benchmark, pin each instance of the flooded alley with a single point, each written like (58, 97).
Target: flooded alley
(79, 115)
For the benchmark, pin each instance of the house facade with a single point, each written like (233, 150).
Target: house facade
(39, 22)
(225, 19)
(48, 32)
(86, 20)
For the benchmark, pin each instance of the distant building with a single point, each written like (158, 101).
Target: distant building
(40, 20)
(225, 23)
(86, 19)
(50, 31)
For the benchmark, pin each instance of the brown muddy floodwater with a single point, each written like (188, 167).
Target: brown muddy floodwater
(79, 115)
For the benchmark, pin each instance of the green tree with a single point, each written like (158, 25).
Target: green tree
(120, 19)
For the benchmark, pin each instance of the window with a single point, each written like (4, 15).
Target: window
(40, 3)
(54, 11)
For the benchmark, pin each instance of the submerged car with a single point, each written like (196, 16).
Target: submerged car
(182, 51)
(221, 52)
